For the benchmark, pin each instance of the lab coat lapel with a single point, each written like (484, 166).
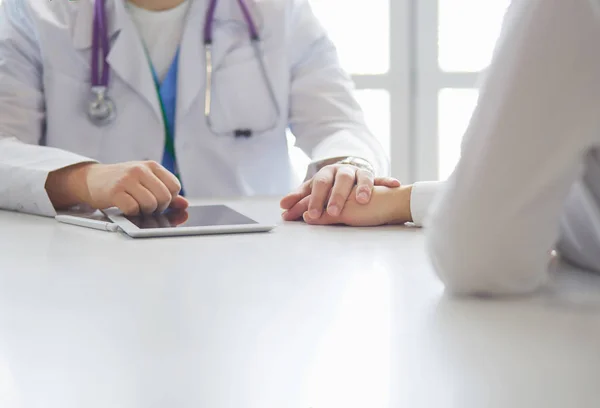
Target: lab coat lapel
(127, 57)
(191, 75)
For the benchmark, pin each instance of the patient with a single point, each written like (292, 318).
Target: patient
(528, 180)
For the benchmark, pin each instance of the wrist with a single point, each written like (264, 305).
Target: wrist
(401, 202)
(358, 163)
(67, 187)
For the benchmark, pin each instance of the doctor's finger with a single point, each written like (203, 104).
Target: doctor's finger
(158, 189)
(151, 222)
(162, 220)
(364, 186)
(179, 203)
(321, 188)
(342, 188)
(294, 198)
(325, 219)
(178, 217)
(144, 198)
(295, 213)
(168, 178)
(389, 182)
(126, 203)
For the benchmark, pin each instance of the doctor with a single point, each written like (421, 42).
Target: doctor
(528, 181)
(131, 103)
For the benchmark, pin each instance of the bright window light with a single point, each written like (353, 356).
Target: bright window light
(360, 29)
(467, 32)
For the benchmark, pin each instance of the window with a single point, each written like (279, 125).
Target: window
(375, 53)
(455, 40)
(416, 65)
(364, 53)
(467, 31)
(365, 49)
(455, 107)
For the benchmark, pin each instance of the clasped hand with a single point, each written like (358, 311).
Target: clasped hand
(346, 194)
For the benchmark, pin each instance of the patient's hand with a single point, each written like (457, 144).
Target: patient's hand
(387, 206)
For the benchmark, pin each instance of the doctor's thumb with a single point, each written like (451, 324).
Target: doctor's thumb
(179, 203)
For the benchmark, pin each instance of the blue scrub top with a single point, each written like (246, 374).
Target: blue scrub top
(167, 94)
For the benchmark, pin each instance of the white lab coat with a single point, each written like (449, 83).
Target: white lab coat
(528, 180)
(45, 51)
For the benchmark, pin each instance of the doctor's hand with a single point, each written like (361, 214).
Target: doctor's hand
(134, 187)
(387, 206)
(330, 189)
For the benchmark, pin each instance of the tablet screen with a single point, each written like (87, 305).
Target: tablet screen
(197, 216)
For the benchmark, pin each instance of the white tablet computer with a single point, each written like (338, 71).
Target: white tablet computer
(196, 220)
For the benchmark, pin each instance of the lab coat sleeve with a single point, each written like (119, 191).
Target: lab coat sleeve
(495, 224)
(24, 165)
(324, 115)
(422, 197)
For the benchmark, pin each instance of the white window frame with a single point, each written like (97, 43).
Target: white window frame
(397, 81)
(429, 80)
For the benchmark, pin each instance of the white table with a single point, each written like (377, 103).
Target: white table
(301, 317)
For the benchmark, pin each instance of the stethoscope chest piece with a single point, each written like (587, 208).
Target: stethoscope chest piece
(101, 110)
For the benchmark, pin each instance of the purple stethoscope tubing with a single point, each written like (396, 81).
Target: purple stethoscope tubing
(210, 15)
(100, 44)
(100, 37)
(102, 109)
(255, 40)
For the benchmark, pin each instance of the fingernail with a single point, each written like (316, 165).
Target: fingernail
(313, 213)
(363, 196)
(334, 210)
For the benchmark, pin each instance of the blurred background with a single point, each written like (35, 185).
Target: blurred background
(416, 65)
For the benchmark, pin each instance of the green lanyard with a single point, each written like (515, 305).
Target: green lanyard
(169, 146)
(168, 126)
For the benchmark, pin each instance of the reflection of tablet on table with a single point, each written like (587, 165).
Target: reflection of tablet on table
(196, 220)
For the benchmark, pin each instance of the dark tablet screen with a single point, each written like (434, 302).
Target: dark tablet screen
(195, 216)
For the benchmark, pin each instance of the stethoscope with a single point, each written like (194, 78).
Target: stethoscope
(102, 109)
